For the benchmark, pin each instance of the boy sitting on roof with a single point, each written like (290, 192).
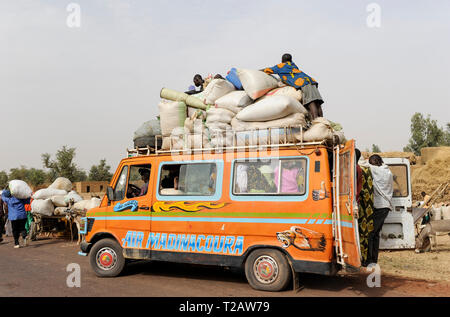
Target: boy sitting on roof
(202, 83)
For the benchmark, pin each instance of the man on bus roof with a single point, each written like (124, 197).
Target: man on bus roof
(291, 75)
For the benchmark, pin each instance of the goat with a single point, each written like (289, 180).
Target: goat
(74, 216)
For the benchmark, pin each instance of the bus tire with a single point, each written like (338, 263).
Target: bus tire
(268, 270)
(106, 258)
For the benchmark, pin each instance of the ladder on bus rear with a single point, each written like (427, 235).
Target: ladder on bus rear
(337, 225)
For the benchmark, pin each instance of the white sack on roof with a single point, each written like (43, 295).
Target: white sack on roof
(234, 101)
(172, 115)
(271, 108)
(216, 88)
(256, 83)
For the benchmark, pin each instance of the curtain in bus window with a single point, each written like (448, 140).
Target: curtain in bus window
(292, 177)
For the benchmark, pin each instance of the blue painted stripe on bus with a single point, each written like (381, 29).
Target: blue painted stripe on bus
(346, 224)
(237, 220)
(240, 220)
(201, 219)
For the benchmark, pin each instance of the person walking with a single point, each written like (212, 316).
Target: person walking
(17, 215)
(2, 220)
(383, 184)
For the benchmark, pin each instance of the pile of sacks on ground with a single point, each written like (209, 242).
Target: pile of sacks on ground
(247, 103)
(54, 199)
(440, 211)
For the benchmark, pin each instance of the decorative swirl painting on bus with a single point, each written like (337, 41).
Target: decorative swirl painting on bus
(184, 206)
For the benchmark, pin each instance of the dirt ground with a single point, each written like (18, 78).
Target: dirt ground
(40, 270)
(431, 266)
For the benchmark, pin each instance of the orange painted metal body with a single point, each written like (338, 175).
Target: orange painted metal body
(228, 229)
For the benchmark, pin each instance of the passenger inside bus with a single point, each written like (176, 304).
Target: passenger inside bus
(264, 177)
(292, 180)
(254, 177)
(212, 179)
(145, 174)
(170, 180)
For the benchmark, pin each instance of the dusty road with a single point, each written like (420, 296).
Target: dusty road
(40, 270)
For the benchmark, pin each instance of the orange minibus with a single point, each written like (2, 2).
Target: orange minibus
(274, 212)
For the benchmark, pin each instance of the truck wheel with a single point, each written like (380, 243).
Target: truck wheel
(106, 258)
(267, 270)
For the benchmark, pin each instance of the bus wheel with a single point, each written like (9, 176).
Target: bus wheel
(106, 258)
(267, 270)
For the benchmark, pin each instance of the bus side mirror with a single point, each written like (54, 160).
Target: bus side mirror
(110, 193)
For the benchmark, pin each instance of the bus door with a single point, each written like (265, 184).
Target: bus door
(398, 228)
(128, 214)
(345, 222)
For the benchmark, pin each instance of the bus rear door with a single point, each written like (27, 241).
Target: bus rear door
(345, 222)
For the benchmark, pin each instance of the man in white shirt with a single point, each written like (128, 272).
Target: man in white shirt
(383, 184)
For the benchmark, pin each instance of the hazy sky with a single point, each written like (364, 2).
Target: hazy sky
(91, 87)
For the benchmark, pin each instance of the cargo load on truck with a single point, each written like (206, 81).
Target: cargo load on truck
(56, 198)
(248, 107)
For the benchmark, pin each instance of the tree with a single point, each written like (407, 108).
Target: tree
(426, 133)
(376, 148)
(63, 165)
(100, 172)
(447, 134)
(18, 173)
(32, 176)
(36, 177)
(3, 179)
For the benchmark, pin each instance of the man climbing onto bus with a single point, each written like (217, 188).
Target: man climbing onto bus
(291, 75)
(383, 184)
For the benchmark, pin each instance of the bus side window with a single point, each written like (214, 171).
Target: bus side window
(276, 177)
(190, 179)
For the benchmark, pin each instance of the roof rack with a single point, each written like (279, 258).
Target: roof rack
(241, 140)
